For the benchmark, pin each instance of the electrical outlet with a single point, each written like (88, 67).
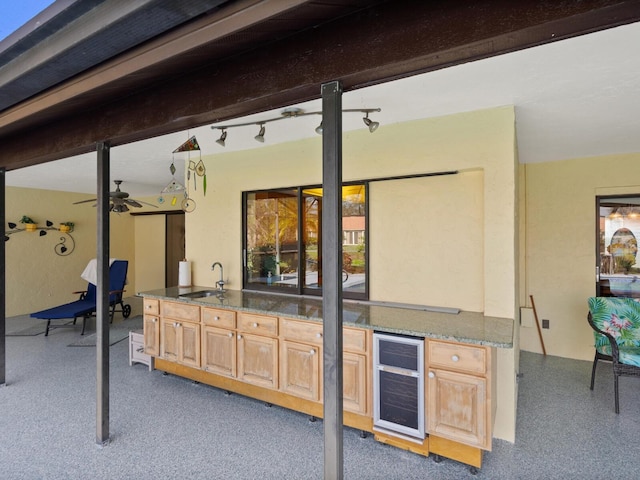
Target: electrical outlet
(545, 323)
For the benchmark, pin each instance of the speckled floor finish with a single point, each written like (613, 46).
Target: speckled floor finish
(168, 427)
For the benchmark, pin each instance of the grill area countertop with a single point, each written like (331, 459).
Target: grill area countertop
(466, 327)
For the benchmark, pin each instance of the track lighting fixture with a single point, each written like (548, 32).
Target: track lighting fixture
(260, 136)
(373, 126)
(291, 112)
(222, 138)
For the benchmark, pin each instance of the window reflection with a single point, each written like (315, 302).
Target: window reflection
(618, 233)
(277, 230)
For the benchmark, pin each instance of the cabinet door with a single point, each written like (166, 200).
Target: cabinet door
(169, 340)
(258, 360)
(354, 371)
(457, 407)
(151, 325)
(189, 343)
(219, 351)
(300, 370)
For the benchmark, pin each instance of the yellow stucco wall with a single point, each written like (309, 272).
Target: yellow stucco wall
(478, 144)
(560, 260)
(37, 278)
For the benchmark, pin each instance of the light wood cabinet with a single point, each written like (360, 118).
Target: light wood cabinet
(355, 384)
(301, 358)
(180, 333)
(301, 363)
(356, 371)
(219, 344)
(460, 397)
(151, 326)
(219, 347)
(300, 368)
(257, 352)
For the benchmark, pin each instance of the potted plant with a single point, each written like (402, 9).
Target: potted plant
(29, 224)
(66, 227)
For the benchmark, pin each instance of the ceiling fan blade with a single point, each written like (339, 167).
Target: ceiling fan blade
(139, 203)
(85, 201)
(132, 202)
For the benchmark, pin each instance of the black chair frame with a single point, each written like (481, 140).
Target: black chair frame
(619, 369)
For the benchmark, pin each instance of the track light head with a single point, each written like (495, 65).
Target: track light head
(222, 138)
(373, 126)
(260, 136)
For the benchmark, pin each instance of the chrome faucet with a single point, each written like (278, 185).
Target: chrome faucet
(219, 283)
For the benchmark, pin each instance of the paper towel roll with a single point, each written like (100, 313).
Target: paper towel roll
(184, 274)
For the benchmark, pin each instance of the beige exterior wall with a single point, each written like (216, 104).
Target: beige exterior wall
(483, 211)
(559, 259)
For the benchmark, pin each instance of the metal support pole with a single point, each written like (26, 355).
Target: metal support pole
(3, 293)
(102, 293)
(332, 276)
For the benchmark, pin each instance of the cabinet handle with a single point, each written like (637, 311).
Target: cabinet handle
(318, 335)
(230, 335)
(255, 325)
(432, 375)
(216, 318)
(455, 358)
(154, 320)
(148, 307)
(312, 352)
(239, 337)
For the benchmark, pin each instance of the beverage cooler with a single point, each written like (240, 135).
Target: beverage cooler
(398, 385)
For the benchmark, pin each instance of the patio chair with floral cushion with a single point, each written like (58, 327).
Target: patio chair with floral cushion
(616, 329)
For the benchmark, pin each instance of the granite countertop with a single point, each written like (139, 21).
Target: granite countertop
(467, 327)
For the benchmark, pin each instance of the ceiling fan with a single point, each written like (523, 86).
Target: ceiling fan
(119, 201)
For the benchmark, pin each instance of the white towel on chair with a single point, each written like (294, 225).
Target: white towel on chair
(90, 273)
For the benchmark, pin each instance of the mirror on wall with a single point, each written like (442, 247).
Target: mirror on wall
(618, 233)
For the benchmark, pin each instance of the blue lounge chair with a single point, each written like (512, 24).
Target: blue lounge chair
(85, 307)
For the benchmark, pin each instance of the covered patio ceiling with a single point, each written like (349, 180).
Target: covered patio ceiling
(232, 59)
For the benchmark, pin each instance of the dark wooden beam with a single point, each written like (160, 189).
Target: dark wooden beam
(389, 40)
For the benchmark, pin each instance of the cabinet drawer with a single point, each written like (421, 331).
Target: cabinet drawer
(181, 311)
(260, 324)
(354, 340)
(151, 307)
(219, 318)
(297, 330)
(457, 356)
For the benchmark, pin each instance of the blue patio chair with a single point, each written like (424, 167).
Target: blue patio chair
(616, 328)
(85, 306)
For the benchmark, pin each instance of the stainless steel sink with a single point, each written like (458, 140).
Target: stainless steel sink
(202, 293)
